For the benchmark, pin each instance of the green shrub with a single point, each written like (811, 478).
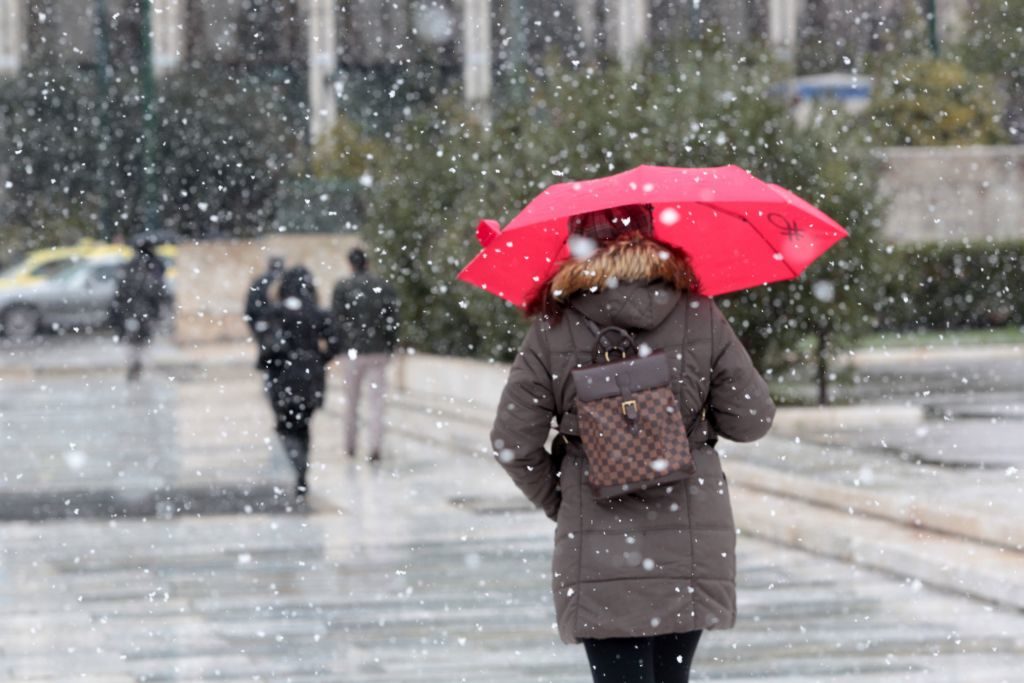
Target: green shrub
(993, 38)
(228, 142)
(936, 102)
(952, 286)
(49, 144)
(993, 44)
(225, 144)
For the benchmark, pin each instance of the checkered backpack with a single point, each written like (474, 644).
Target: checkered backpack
(629, 419)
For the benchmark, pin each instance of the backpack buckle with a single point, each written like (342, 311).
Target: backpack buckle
(608, 354)
(629, 409)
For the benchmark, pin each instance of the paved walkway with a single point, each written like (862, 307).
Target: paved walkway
(431, 595)
(50, 354)
(90, 445)
(428, 568)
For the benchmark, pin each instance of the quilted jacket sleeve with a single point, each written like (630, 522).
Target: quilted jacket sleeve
(523, 422)
(739, 405)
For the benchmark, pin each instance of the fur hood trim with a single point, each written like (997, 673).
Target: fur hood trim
(636, 260)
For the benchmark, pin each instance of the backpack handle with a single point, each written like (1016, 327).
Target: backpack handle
(604, 346)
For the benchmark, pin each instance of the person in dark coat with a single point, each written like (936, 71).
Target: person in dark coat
(257, 290)
(140, 296)
(296, 342)
(365, 310)
(636, 578)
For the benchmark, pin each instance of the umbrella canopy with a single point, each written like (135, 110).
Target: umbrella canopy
(738, 231)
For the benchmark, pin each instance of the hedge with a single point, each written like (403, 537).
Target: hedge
(951, 286)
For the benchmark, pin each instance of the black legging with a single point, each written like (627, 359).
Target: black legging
(296, 446)
(658, 659)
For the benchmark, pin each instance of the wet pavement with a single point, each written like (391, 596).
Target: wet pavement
(427, 568)
(400, 584)
(79, 355)
(973, 401)
(987, 373)
(97, 445)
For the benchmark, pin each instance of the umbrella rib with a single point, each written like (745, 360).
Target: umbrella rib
(755, 229)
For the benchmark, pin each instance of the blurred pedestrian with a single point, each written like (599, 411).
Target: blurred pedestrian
(295, 342)
(637, 576)
(365, 310)
(140, 296)
(257, 290)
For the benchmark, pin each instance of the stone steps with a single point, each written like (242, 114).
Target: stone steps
(940, 560)
(906, 508)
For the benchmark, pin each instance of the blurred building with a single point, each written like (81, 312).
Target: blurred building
(362, 48)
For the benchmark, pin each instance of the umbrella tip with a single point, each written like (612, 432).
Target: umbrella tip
(487, 230)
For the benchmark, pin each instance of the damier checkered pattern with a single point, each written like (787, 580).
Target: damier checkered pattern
(621, 460)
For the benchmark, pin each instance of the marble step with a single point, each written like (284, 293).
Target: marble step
(939, 560)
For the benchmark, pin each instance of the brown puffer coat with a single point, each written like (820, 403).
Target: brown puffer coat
(650, 563)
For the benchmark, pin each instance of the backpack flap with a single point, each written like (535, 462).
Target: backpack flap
(623, 379)
(631, 374)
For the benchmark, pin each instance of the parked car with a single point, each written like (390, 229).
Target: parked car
(76, 298)
(41, 264)
(67, 288)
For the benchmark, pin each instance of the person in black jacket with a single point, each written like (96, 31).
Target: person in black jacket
(257, 290)
(140, 295)
(296, 342)
(365, 310)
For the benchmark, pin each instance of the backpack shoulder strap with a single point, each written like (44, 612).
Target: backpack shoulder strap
(706, 309)
(590, 324)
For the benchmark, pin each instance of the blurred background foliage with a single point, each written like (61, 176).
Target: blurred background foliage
(226, 146)
(226, 150)
(952, 286)
(414, 170)
(993, 45)
(936, 102)
(50, 142)
(447, 171)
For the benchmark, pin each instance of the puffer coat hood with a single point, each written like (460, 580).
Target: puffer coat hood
(632, 305)
(659, 561)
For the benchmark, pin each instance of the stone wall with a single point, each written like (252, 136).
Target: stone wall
(946, 193)
(214, 276)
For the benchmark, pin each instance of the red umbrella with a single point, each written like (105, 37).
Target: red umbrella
(738, 231)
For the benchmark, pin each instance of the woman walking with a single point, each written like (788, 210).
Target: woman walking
(636, 578)
(296, 342)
